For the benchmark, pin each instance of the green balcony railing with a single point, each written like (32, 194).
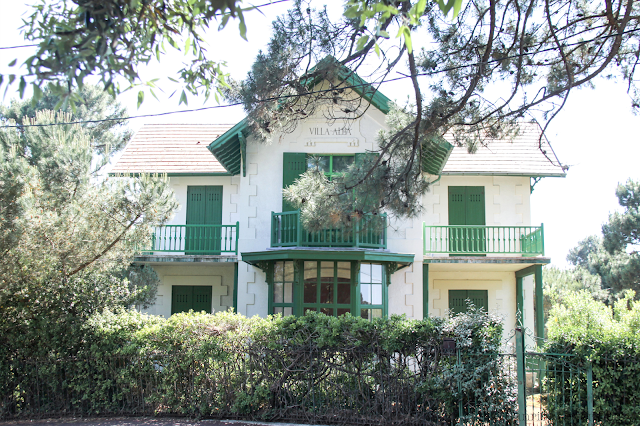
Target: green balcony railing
(473, 240)
(195, 239)
(368, 232)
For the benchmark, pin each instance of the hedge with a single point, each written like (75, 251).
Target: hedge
(313, 368)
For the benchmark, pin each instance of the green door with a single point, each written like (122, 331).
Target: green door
(458, 300)
(186, 297)
(466, 207)
(293, 165)
(204, 207)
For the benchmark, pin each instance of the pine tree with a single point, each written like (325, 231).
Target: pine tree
(614, 256)
(67, 239)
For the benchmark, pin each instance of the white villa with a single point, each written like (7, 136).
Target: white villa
(235, 244)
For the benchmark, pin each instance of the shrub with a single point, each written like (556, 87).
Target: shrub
(297, 368)
(606, 338)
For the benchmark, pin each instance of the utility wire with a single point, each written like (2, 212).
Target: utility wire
(353, 86)
(17, 47)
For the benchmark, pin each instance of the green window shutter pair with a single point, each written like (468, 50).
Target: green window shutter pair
(186, 297)
(466, 205)
(204, 205)
(458, 300)
(294, 164)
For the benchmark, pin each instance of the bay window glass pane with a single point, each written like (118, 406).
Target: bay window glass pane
(369, 314)
(278, 292)
(277, 310)
(365, 273)
(327, 311)
(344, 271)
(278, 272)
(376, 274)
(310, 270)
(326, 291)
(365, 294)
(310, 291)
(344, 293)
(288, 293)
(376, 294)
(288, 311)
(341, 163)
(288, 272)
(309, 310)
(326, 270)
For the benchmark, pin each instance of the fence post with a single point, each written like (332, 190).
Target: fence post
(590, 393)
(522, 378)
(459, 373)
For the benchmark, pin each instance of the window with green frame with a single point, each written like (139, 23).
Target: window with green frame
(371, 291)
(283, 279)
(331, 165)
(331, 287)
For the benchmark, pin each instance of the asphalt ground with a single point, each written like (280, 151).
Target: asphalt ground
(135, 421)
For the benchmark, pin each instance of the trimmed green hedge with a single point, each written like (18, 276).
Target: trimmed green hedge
(313, 368)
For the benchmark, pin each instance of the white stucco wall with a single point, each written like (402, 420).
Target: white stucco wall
(218, 276)
(250, 200)
(507, 199)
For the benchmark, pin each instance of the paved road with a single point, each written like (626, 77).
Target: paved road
(134, 421)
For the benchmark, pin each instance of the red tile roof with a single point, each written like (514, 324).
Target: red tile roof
(171, 148)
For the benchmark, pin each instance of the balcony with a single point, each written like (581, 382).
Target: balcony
(458, 240)
(369, 232)
(194, 239)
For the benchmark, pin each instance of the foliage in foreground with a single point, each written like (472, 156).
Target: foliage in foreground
(312, 368)
(67, 238)
(607, 337)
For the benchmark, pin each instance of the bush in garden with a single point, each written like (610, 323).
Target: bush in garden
(311, 368)
(608, 338)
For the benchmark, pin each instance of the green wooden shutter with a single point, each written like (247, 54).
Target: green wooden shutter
(196, 208)
(466, 207)
(458, 300)
(474, 209)
(457, 205)
(213, 216)
(202, 298)
(204, 207)
(181, 298)
(480, 298)
(293, 165)
(186, 297)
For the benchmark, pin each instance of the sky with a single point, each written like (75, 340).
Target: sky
(596, 134)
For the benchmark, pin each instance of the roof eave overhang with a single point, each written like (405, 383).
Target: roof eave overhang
(169, 174)
(362, 255)
(504, 174)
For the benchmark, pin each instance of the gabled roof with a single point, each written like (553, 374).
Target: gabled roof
(521, 157)
(230, 149)
(174, 149)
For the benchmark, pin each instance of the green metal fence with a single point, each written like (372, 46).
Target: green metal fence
(425, 385)
(367, 232)
(480, 239)
(195, 239)
(554, 389)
